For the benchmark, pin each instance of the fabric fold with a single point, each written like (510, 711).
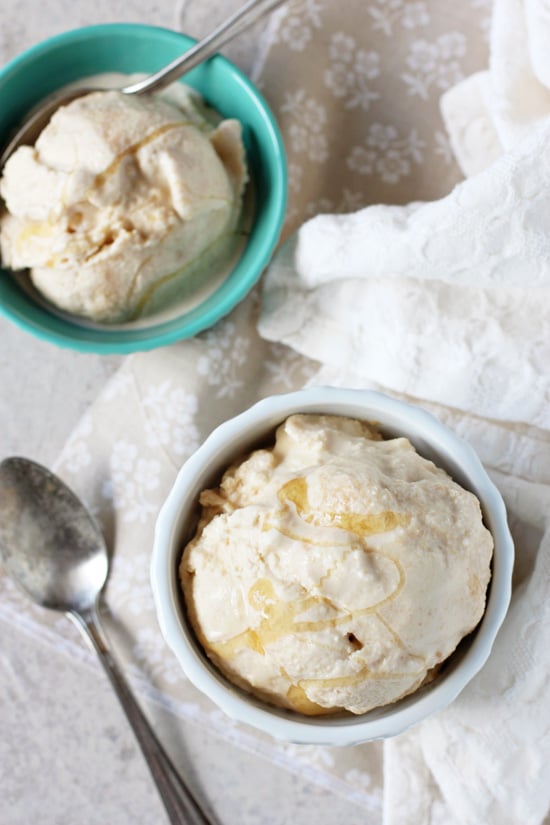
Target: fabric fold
(446, 303)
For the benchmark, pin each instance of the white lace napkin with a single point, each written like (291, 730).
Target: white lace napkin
(448, 303)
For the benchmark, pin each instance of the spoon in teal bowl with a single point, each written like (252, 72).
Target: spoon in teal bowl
(54, 551)
(235, 24)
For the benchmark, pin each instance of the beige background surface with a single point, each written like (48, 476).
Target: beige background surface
(364, 99)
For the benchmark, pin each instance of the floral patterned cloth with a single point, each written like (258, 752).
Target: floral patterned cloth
(355, 87)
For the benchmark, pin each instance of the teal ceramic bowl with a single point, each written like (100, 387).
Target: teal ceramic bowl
(131, 48)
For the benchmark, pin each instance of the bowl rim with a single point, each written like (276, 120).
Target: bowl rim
(281, 724)
(51, 328)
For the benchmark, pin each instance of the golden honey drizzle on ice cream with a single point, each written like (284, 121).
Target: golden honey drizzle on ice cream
(133, 149)
(307, 614)
(361, 524)
(280, 617)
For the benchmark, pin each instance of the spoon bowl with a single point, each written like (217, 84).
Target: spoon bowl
(55, 552)
(51, 546)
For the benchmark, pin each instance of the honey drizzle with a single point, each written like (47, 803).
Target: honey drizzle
(278, 620)
(133, 149)
(279, 616)
(362, 524)
(46, 227)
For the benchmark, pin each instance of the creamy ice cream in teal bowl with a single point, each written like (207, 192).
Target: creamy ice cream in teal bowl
(134, 221)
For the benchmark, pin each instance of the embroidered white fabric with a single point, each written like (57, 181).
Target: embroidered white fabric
(448, 303)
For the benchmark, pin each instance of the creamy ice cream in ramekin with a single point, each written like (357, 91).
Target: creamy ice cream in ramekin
(119, 195)
(335, 570)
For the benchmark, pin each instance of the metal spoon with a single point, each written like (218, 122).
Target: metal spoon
(53, 549)
(236, 23)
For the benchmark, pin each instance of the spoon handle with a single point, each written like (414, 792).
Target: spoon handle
(240, 20)
(180, 805)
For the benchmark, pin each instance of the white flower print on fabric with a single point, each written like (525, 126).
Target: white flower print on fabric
(386, 154)
(150, 653)
(133, 479)
(129, 587)
(306, 129)
(357, 777)
(318, 755)
(362, 781)
(387, 13)
(350, 71)
(319, 207)
(351, 201)
(224, 360)
(170, 418)
(434, 64)
(414, 14)
(118, 386)
(287, 369)
(348, 202)
(443, 146)
(296, 30)
(485, 6)
(76, 453)
(295, 175)
(293, 218)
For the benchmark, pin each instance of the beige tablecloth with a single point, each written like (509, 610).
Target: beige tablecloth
(355, 87)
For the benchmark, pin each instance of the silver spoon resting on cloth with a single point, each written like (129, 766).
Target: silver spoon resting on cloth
(55, 552)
